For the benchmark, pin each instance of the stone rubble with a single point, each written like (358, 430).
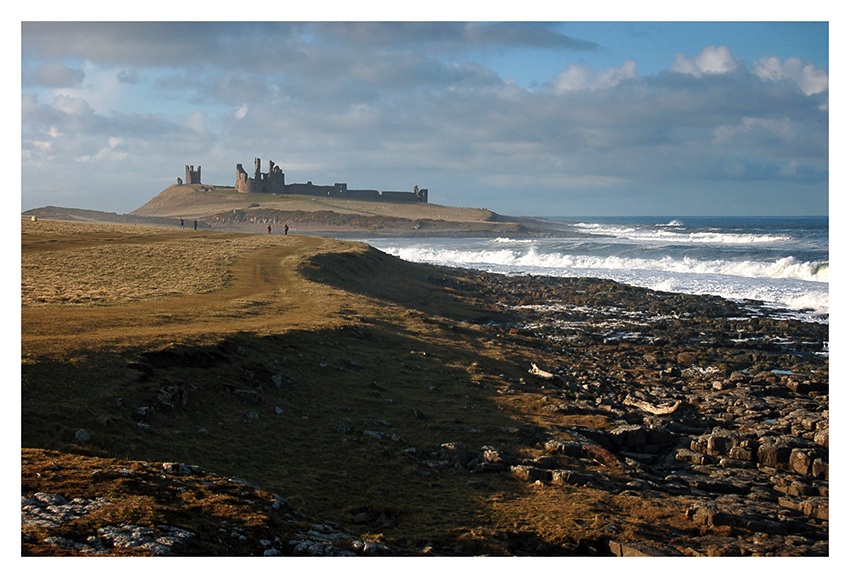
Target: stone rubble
(53, 513)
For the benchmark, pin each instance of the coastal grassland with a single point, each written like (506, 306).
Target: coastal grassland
(323, 371)
(109, 266)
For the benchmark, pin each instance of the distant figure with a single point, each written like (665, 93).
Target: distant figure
(270, 229)
(181, 223)
(196, 224)
(285, 230)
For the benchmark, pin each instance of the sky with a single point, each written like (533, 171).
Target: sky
(543, 117)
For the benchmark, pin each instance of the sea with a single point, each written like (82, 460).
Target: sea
(782, 262)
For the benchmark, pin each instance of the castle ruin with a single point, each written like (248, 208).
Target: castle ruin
(193, 177)
(274, 182)
(270, 182)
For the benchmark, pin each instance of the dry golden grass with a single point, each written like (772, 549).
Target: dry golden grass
(110, 268)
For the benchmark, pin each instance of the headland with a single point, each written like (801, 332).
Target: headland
(253, 204)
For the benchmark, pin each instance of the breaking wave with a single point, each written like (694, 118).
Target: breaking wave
(781, 261)
(664, 234)
(532, 259)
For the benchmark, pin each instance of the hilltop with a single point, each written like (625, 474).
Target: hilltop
(223, 208)
(214, 393)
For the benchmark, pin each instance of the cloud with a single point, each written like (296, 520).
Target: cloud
(527, 35)
(380, 104)
(809, 78)
(53, 74)
(125, 43)
(710, 60)
(128, 76)
(577, 77)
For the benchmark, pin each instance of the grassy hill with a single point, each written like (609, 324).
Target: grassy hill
(224, 209)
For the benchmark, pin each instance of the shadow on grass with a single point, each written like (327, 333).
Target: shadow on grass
(347, 422)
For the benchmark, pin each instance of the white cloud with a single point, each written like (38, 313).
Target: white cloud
(111, 152)
(810, 79)
(710, 60)
(578, 77)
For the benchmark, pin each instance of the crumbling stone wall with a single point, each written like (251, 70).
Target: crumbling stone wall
(271, 182)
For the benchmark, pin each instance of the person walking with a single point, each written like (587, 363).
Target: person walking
(196, 224)
(285, 230)
(270, 229)
(181, 223)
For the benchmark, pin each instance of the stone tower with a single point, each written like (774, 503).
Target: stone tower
(193, 177)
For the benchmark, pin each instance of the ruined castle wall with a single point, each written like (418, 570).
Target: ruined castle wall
(363, 194)
(244, 184)
(309, 189)
(399, 197)
(274, 182)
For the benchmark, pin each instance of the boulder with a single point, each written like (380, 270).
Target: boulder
(531, 473)
(569, 478)
(800, 461)
(572, 449)
(628, 437)
(719, 443)
(820, 469)
(773, 454)
(458, 453)
(821, 437)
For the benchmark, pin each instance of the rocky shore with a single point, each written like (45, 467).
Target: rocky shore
(725, 405)
(450, 413)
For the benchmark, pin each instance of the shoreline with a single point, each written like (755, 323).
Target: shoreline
(545, 230)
